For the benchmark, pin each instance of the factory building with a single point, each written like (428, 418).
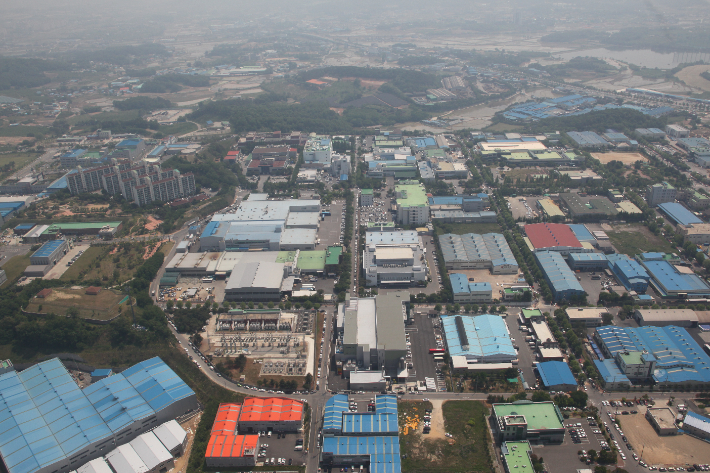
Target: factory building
(152, 453)
(54, 426)
(536, 422)
(665, 317)
(696, 425)
(366, 198)
(470, 292)
(660, 193)
(556, 376)
(588, 316)
(612, 378)
(318, 152)
(393, 258)
(556, 237)
(672, 281)
(49, 253)
(371, 334)
(256, 281)
(696, 233)
(481, 339)
(172, 436)
(412, 204)
(667, 356)
(474, 251)
(562, 281)
(677, 131)
(97, 465)
(361, 438)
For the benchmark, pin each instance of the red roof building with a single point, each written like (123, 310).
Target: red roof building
(554, 236)
(232, 153)
(278, 414)
(227, 419)
(93, 290)
(44, 293)
(230, 157)
(232, 450)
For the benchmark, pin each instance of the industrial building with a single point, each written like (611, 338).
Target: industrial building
(667, 356)
(140, 183)
(696, 425)
(104, 230)
(665, 317)
(366, 198)
(318, 152)
(677, 131)
(261, 224)
(367, 438)
(172, 436)
(612, 378)
(536, 422)
(549, 208)
(393, 257)
(662, 419)
(562, 281)
(589, 316)
(371, 334)
(660, 193)
(652, 134)
(51, 425)
(678, 213)
(470, 292)
(256, 281)
(474, 251)
(556, 376)
(696, 233)
(673, 281)
(481, 339)
(587, 208)
(588, 139)
(556, 237)
(49, 253)
(412, 204)
(516, 457)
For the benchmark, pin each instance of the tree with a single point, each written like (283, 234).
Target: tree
(307, 382)
(540, 396)
(437, 307)
(700, 257)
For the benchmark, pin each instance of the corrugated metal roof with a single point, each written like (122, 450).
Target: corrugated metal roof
(699, 422)
(487, 336)
(123, 459)
(555, 373)
(170, 434)
(151, 451)
(333, 412)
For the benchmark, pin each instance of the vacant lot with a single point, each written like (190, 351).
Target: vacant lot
(691, 76)
(9, 163)
(626, 158)
(103, 306)
(634, 239)
(674, 450)
(14, 268)
(466, 450)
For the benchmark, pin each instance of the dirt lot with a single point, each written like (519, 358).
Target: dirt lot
(498, 281)
(103, 306)
(673, 450)
(626, 158)
(691, 76)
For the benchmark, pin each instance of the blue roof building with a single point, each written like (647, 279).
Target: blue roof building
(581, 232)
(612, 377)
(556, 376)
(588, 139)
(670, 282)
(49, 253)
(629, 272)
(559, 276)
(465, 291)
(47, 423)
(382, 453)
(678, 213)
(335, 407)
(483, 338)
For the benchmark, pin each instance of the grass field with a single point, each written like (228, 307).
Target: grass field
(635, 239)
(23, 130)
(467, 450)
(177, 128)
(14, 268)
(461, 228)
(96, 264)
(105, 116)
(106, 305)
(501, 127)
(20, 160)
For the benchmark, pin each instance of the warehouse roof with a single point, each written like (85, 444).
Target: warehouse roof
(517, 456)
(397, 237)
(411, 195)
(699, 422)
(461, 285)
(227, 419)
(550, 208)
(472, 247)
(548, 235)
(360, 423)
(333, 412)
(48, 248)
(628, 207)
(298, 236)
(667, 315)
(581, 232)
(256, 274)
(97, 465)
(678, 213)
(555, 373)
(484, 335)
(272, 409)
(538, 415)
(151, 451)
(390, 320)
(123, 459)
(610, 372)
(383, 451)
(231, 446)
(558, 274)
(584, 313)
(670, 280)
(170, 434)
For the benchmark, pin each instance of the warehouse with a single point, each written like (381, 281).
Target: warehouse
(629, 272)
(549, 208)
(613, 379)
(374, 381)
(255, 281)
(588, 261)
(588, 139)
(172, 436)
(123, 459)
(539, 422)
(696, 425)
(152, 453)
(233, 451)
(470, 292)
(556, 237)
(588, 316)
(696, 233)
(543, 334)
(393, 257)
(49, 253)
(559, 276)
(274, 414)
(474, 251)
(482, 339)
(588, 208)
(581, 232)
(97, 465)
(678, 213)
(556, 376)
(665, 317)
(673, 281)
(113, 410)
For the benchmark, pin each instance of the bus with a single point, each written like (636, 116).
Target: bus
(436, 350)
(438, 357)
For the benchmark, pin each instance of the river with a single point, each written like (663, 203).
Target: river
(640, 57)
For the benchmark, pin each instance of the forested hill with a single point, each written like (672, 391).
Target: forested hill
(404, 80)
(21, 72)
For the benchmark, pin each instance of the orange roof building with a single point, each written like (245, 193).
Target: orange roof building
(272, 413)
(227, 419)
(232, 450)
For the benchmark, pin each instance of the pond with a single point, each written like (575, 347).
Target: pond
(640, 57)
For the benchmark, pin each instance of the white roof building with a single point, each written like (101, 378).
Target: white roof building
(124, 459)
(97, 465)
(257, 281)
(151, 451)
(172, 436)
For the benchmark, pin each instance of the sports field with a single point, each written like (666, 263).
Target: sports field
(626, 158)
(102, 306)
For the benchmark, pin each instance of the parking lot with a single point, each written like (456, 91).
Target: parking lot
(280, 449)
(331, 228)
(524, 207)
(564, 457)
(423, 334)
(377, 213)
(526, 356)
(593, 287)
(65, 261)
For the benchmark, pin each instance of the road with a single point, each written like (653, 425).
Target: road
(45, 158)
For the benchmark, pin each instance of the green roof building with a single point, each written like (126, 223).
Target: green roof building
(105, 230)
(528, 315)
(332, 258)
(367, 198)
(539, 422)
(311, 261)
(412, 204)
(516, 456)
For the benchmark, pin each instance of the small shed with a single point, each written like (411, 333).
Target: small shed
(93, 290)
(44, 293)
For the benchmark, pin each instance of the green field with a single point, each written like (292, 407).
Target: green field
(105, 305)
(14, 268)
(178, 128)
(461, 228)
(105, 116)
(23, 130)
(466, 451)
(641, 241)
(502, 127)
(20, 160)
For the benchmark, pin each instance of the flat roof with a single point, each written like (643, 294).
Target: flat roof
(538, 415)
(257, 274)
(678, 213)
(390, 320)
(517, 456)
(311, 260)
(550, 208)
(411, 195)
(585, 313)
(664, 417)
(48, 248)
(668, 315)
